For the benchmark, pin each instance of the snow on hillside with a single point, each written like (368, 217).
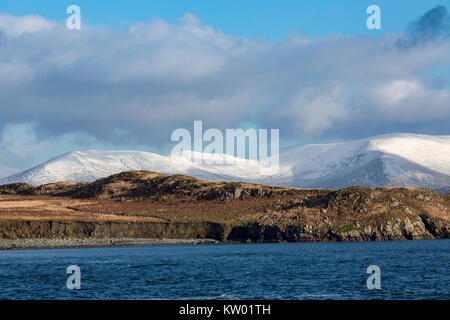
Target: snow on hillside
(387, 160)
(86, 166)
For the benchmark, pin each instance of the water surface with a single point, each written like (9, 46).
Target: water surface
(409, 270)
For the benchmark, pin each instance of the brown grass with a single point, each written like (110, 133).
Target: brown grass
(149, 196)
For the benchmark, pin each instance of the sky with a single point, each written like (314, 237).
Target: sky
(264, 19)
(137, 70)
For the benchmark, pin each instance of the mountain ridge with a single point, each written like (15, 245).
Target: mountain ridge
(388, 160)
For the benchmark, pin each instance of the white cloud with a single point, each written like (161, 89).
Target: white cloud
(395, 91)
(14, 26)
(313, 112)
(411, 101)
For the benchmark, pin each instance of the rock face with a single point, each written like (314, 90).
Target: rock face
(251, 232)
(151, 205)
(22, 229)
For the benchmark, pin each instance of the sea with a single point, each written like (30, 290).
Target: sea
(312, 271)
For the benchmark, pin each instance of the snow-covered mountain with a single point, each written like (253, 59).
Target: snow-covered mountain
(387, 160)
(89, 165)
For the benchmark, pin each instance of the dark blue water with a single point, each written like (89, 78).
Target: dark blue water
(409, 270)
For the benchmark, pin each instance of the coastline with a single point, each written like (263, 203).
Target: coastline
(146, 208)
(40, 244)
(74, 243)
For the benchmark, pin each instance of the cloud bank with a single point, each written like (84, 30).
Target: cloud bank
(134, 87)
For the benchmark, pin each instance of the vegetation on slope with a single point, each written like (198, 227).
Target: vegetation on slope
(148, 204)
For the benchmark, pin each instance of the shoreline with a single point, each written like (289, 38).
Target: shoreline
(47, 244)
(42, 244)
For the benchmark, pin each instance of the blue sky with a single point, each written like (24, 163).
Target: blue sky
(268, 19)
(137, 70)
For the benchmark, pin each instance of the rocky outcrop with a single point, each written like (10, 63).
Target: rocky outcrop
(23, 229)
(397, 230)
(424, 228)
(135, 184)
(437, 227)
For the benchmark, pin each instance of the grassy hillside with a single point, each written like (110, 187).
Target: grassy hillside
(148, 204)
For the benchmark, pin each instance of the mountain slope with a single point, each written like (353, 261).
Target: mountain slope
(90, 165)
(387, 160)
